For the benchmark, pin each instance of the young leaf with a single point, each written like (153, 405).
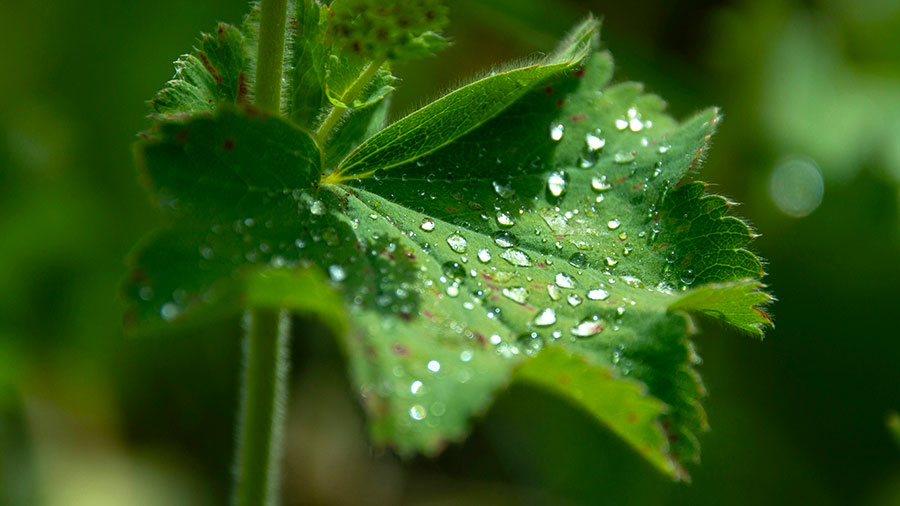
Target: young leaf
(525, 227)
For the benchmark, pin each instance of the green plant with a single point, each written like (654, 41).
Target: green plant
(531, 226)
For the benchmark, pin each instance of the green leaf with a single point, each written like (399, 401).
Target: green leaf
(213, 75)
(308, 55)
(737, 304)
(341, 77)
(527, 227)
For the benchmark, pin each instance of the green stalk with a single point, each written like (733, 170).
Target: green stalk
(350, 94)
(262, 413)
(270, 58)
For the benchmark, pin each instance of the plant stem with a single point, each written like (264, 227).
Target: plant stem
(270, 58)
(261, 425)
(350, 94)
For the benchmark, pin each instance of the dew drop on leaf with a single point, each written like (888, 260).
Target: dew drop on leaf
(415, 387)
(594, 141)
(556, 131)
(574, 300)
(427, 225)
(517, 294)
(505, 191)
(484, 255)
(588, 327)
(545, 318)
(457, 243)
(433, 366)
(556, 184)
(504, 219)
(516, 257)
(565, 281)
(505, 239)
(623, 157)
(317, 208)
(578, 260)
(599, 184)
(337, 272)
(613, 224)
(554, 292)
(597, 294)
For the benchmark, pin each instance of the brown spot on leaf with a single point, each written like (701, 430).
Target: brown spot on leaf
(228, 144)
(209, 67)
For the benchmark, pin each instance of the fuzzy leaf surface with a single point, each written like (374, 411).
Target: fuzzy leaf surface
(527, 227)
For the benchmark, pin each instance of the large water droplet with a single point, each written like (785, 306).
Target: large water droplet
(588, 327)
(565, 281)
(505, 220)
(427, 225)
(554, 292)
(317, 208)
(599, 184)
(484, 255)
(556, 131)
(597, 294)
(613, 224)
(556, 184)
(505, 239)
(457, 243)
(504, 190)
(517, 294)
(337, 272)
(574, 299)
(545, 318)
(594, 142)
(516, 257)
(623, 157)
(578, 260)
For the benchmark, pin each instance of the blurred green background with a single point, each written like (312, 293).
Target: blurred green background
(810, 145)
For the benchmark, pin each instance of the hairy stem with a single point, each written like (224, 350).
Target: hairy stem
(261, 416)
(350, 94)
(270, 59)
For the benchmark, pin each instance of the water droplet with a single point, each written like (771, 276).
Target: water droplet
(545, 318)
(556, 184)
(505, 191)
(146, 293)
(484, 255)
(465, 355)
(337, 272)
(417, 412)
(593, 141)
(588, 327)
(554, 292)
(453, 290)
(598, 294)
(613, 224)
(317, 208)
(169, 311)
(530, 342)
(516, 257)
(578, 260)
(612, 262)
(517, 294)
(623, 157)
(505, 219)
(415, 387)
(495, 339)
(599, 184)
(457, 243)
(433, 366)
(565, 281)
(505, 239)
(427, 225)
(664, 148)
(574, 300)
(621, 124)
(556, 131)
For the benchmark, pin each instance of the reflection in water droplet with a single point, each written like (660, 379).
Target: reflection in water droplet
(587, 328)
(578, 260)
(565, 281)
(600, 184)
(556, 184)
(505, 191)
(613, 224)
(621, 124)
(457, 243)
(594, 142)
(516, 257)
(574, 300)
(337, 272)
(505, 239)
(434, 366)
(417, 412)
(505, 220)
(612, 262)
(317, 208)
(484, 255)
(427, 225)
(556, 131)
(415, 387)
(554, 292)
(517, 294)
(598, 294)
(545, 317)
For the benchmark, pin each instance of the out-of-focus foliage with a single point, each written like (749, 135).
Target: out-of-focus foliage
(96, 419)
